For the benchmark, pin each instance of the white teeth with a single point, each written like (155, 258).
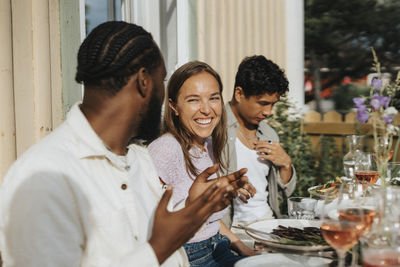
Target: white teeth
(203, 121)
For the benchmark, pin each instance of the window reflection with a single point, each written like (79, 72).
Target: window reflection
(99, 11)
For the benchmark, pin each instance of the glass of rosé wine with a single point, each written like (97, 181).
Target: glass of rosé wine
(365, 169)
(343, 220)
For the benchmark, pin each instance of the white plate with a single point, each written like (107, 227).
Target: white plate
(269, 225)
(282, 260)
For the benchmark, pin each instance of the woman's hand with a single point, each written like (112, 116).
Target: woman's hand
(236, 244)
(242, 249)
(237, 180)
(246, 192)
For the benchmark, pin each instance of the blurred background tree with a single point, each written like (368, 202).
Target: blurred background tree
(338, 37)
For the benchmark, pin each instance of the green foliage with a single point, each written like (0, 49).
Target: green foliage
(311, 168)
(338, 36)
(343, 96)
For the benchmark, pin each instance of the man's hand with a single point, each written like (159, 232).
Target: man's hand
(240, 184)
(274, 152)
(173, 229)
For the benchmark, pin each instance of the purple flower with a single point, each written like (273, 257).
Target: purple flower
(378, 101)
(362, 116)
(376, 83)
(375, 103)
(358, 101)
(388, 119)
(385, 101)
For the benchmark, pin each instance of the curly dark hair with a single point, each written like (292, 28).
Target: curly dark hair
(114, 51)
(257, 75)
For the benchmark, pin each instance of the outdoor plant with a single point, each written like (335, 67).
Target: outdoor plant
(312, 168)
(380, 108)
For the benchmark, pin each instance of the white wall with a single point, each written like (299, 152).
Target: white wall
(295, 51)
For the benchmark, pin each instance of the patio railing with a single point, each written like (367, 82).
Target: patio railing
(338, 126)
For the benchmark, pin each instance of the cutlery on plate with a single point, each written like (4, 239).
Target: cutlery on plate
(253, 230)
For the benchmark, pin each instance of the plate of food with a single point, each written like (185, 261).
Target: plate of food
(293, 234)
(283, 260)
(331, 187)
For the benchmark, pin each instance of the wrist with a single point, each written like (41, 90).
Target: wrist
(287, 167)
(158, 251)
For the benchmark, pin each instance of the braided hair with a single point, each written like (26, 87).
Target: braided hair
(114, 51)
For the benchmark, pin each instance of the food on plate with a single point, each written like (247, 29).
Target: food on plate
(331, 187)
(295, 236)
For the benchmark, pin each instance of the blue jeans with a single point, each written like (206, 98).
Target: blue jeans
(211, 252)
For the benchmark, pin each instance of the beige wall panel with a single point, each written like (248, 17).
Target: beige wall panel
(32, 79)
(7, 127)
(230, 30)
(55, 62)
(257, 27)
(281, 34)
(41, 66)
(23, 74)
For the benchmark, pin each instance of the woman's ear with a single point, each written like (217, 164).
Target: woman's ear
(238, 94)
(172, 106)
(143, 82)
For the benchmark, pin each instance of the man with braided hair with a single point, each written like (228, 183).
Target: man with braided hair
(85, 195)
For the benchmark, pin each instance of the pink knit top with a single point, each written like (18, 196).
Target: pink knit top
(170, 164)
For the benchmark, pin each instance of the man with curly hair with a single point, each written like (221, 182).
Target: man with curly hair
(252, 143)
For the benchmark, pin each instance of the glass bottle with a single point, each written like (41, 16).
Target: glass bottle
(355, 152)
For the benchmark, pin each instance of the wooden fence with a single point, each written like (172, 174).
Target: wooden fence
(338, 126)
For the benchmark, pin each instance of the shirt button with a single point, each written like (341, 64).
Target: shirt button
(124, 186)
(127, 168)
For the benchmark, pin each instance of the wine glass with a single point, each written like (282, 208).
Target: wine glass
(365, 169)
(343, 220)
(381, 246)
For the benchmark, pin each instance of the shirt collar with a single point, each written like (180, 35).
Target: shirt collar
(230, 116)
(232, 121)
(90, 144)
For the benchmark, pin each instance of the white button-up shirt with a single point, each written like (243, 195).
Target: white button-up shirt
(69, 201)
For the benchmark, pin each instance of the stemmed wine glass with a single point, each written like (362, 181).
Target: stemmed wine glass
(343, 220)
(365, 169)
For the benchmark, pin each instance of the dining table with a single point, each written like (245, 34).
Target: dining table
(272, 253)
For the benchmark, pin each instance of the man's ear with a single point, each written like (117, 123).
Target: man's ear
(238, 94)
(172, 106)
(143, 82)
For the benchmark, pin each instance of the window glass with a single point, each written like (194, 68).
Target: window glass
(99, 11)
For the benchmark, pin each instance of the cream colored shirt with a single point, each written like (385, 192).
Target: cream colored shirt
(69, 201)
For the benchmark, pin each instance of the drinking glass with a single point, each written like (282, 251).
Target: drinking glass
(355, 151)
(393, 171)
(381, 246)
(365, 169)
(301, 208)
(343, 220)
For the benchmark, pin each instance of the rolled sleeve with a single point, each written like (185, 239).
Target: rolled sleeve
(290, 186)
